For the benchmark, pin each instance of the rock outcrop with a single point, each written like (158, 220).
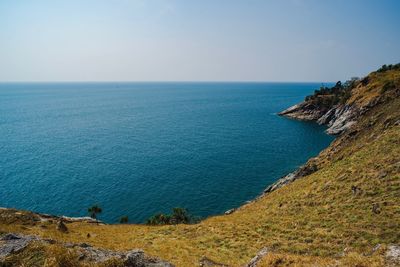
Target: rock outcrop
(338, 119)
(307, 169)
(254, 261)
(206, 262)
(12, 243)
(393, 255)
(341, 106)
(304, 111)
(342, 117)
(10, 215)
(62, 227)
(15, 243)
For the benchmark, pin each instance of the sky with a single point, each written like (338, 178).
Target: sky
(207, 40)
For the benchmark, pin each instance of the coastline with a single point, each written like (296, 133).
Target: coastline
(44, 217)
(339, 119)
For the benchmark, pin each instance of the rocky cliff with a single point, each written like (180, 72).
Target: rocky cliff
(338, 119)
(340, 106)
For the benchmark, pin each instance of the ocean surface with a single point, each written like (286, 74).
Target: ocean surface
(141, 148)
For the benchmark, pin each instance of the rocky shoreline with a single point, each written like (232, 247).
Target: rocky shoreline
(42, 217)
(338, 119)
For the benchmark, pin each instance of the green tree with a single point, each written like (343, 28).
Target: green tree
(180, 215)
(93, 211)
(124, 219)
(159, 219)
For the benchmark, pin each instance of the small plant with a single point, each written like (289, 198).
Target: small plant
(93, 211)
(388, 86)
(389, 67)
(124, 219)
(327, 97)
(159, 219)
(178, 216)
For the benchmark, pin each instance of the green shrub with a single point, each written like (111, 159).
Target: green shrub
(327, 97)
(159, 219)
(124, 219)
(94, 210)
(178, 216)
(389, 67)
(388, 86)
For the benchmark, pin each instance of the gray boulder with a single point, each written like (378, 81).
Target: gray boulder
(137, 258)
(13, 243)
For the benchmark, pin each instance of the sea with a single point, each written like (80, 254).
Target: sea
(137, 149)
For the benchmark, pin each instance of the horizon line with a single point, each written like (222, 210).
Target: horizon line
(160, 81)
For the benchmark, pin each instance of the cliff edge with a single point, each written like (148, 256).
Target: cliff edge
(340, 106)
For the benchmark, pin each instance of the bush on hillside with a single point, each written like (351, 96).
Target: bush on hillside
(389, 67)
(124, 219)
(388, 86)
(327, 97)
(178, 216)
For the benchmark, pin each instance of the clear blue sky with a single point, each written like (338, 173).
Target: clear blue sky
(181, 40)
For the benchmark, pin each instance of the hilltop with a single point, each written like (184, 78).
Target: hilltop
(340, 209)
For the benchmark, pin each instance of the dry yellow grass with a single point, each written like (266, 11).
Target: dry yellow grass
(351, 259)
(39, 254)
(311, 221)
(362, 95)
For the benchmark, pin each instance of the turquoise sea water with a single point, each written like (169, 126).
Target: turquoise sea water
(141, 148)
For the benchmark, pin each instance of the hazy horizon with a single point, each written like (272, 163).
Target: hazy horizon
(207, 41)
(182, 81)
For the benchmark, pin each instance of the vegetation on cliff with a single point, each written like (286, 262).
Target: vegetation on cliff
(178, 216)
(345, 212)
(340, 106)
(327, 97)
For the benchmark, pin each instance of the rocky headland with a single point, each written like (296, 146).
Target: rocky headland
(341, 106)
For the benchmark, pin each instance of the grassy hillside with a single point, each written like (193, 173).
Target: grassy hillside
(336, 215)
